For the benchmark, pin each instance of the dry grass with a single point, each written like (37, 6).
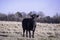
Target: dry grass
(44, 31)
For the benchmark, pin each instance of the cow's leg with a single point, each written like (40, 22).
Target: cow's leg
(23, 33)
(33, 34)
(33, 31)
(29, 34)
(26, 33)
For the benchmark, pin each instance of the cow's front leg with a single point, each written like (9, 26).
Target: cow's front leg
(26, 33)
(23, 33)
(33, 31)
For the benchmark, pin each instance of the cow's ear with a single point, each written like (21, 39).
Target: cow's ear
(37, 15)
(31, 15)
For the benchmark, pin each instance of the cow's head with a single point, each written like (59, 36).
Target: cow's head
(34, 16)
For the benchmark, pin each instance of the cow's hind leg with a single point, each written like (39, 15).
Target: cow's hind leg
(23, 33)
(26, 33)
(29, 34)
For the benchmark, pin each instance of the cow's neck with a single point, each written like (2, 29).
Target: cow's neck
(33, 19)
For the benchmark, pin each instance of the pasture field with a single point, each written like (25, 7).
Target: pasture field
(44, 31)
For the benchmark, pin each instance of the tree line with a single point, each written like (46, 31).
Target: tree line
(18, 16)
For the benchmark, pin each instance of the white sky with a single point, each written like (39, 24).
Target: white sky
(49, 7)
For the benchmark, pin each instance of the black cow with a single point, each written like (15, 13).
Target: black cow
(28, 25)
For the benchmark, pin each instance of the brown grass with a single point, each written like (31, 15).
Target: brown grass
(44, 31)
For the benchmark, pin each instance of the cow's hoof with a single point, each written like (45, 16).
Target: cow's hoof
(26, 36)
(32, 36)
(29, 36)
(23, 36)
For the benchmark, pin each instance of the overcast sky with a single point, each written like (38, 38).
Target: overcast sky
(49, 7)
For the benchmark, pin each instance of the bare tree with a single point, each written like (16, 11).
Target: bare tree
(56, 18)
(41, 14)
(18, 14)
(11, 17)
(3, 17)
(23, 14)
